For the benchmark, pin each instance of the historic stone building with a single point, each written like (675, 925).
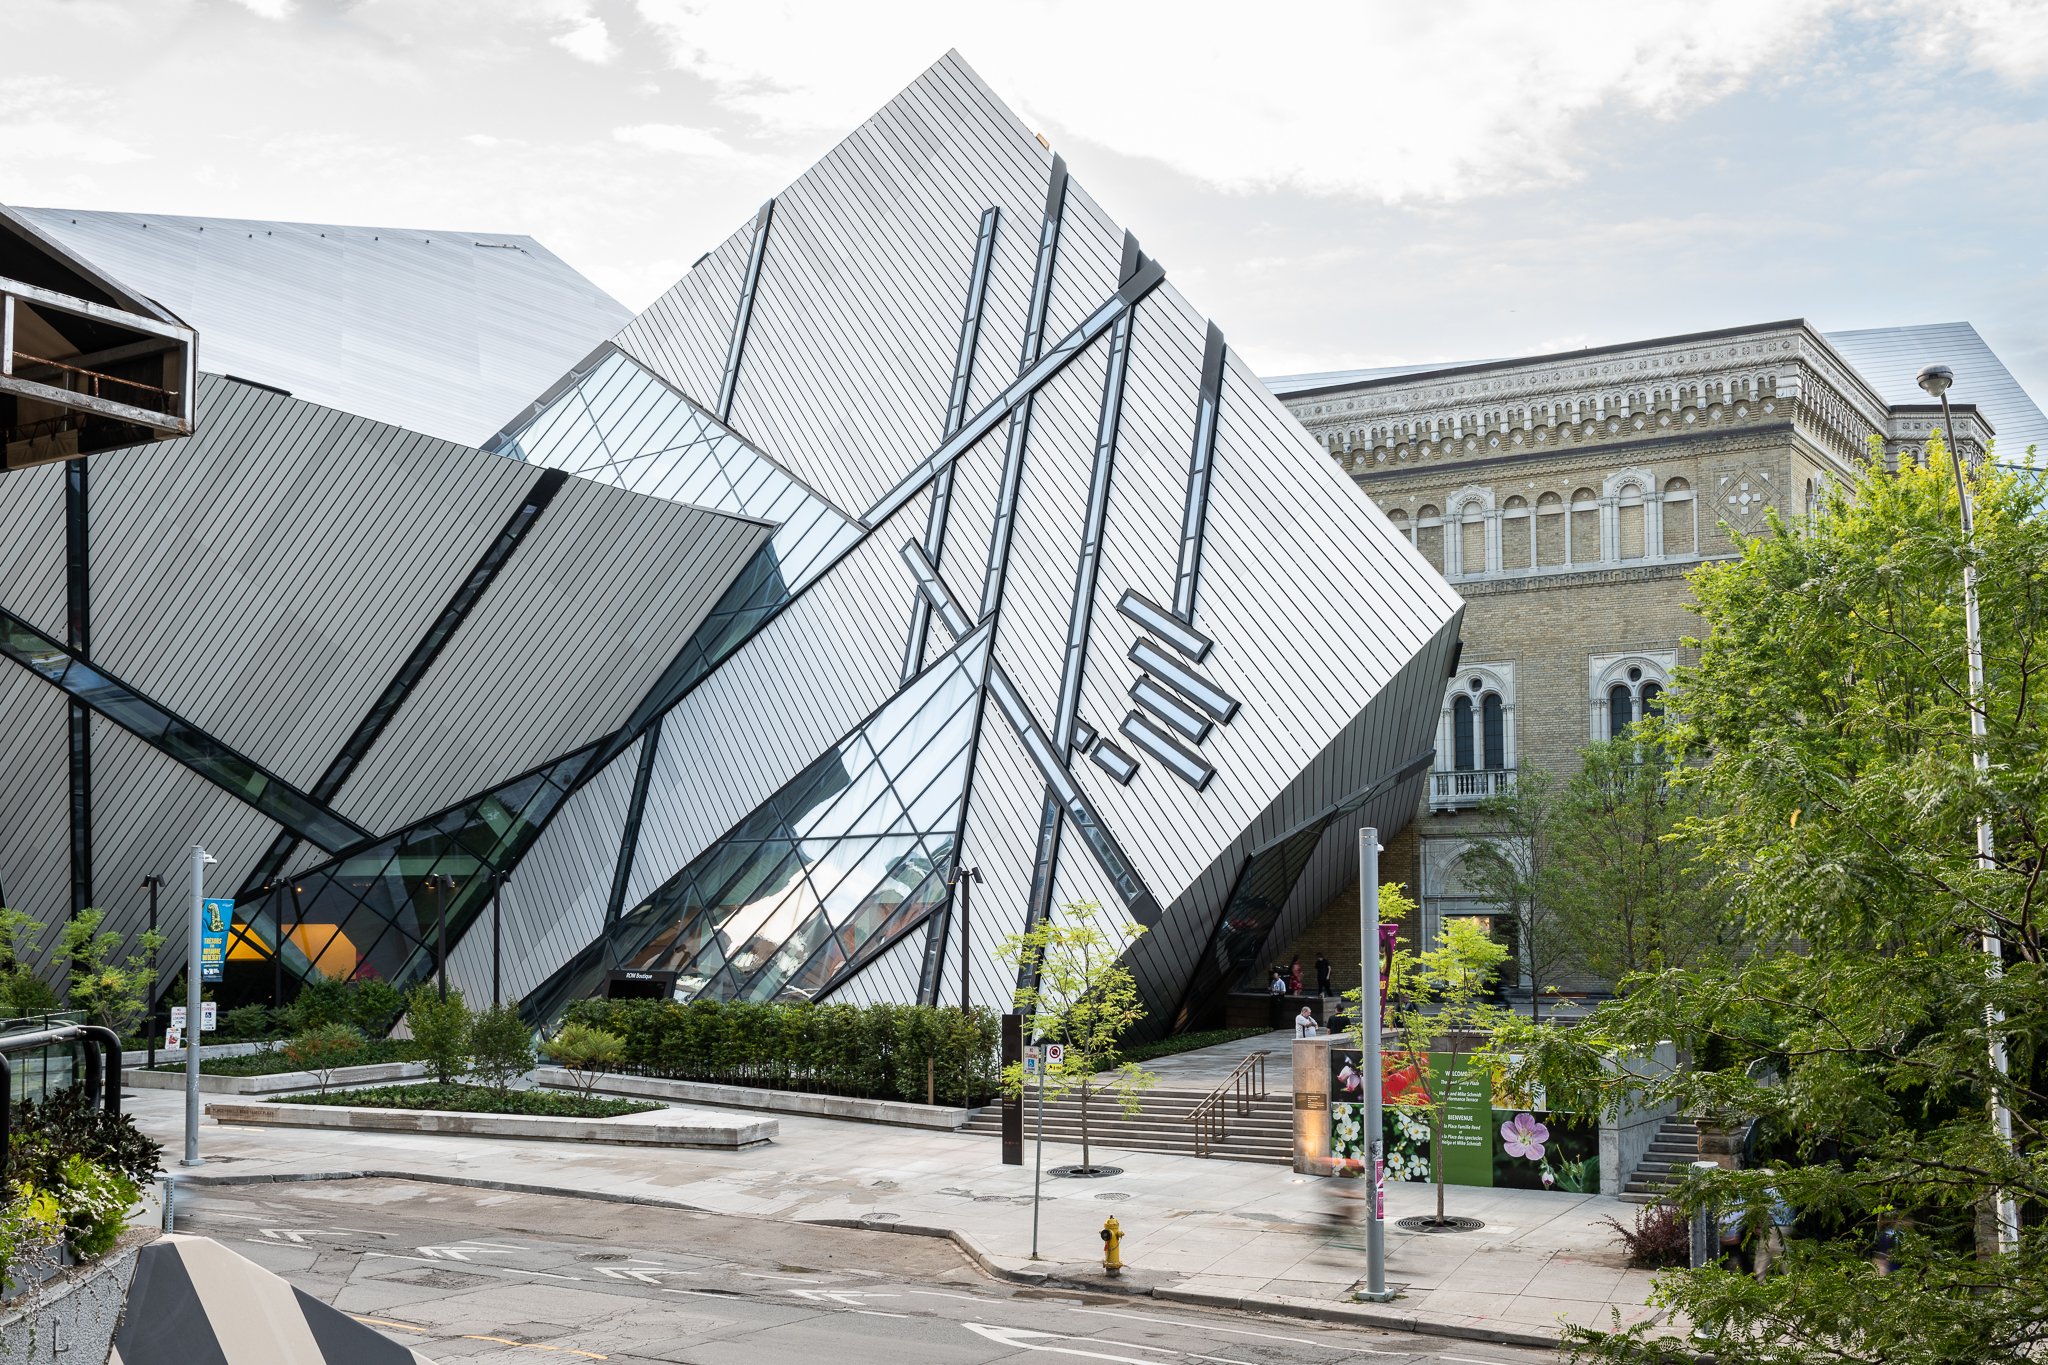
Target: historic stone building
(1566, 497)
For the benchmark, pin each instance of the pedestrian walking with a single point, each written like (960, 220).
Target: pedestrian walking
(1323, 976)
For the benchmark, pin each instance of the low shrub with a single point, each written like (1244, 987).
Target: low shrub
(370, 1006)
(247, 1023)
(1184, 1042)
(441, 1029)
(500, 1047)
(273, 1061)
(68, 1123)
(93, 1200)
(585, 1052)
(1660, 1240)
(872, 1051)
(479, 1099)
(322, 1050)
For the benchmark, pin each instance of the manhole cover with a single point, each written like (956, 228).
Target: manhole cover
(602, 1256)
(1113, 1194)
(1085, 1172)
(1430, 1224)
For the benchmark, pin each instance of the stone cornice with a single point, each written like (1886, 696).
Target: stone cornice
(1494, 586)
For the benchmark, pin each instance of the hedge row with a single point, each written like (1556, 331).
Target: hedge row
(870, 1051)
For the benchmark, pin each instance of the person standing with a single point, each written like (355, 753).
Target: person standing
(1305, 1023)
(1294, 977)
(1323, 976)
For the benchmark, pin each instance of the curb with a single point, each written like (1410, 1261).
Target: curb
(1271, 1306)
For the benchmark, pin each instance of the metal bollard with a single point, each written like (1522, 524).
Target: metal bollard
(170, 1194)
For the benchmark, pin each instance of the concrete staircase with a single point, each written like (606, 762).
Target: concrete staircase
(1264, 1135)
(1675, 1146)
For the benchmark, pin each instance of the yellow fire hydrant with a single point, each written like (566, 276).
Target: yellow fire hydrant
(1112, 1247)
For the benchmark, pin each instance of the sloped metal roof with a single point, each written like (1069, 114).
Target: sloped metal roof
(1891, 357)
(443, 332)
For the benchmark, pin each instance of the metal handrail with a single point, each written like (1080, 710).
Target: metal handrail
(1244, 1084)
(100, 1076)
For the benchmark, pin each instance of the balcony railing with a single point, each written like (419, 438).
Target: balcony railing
(1459, 790)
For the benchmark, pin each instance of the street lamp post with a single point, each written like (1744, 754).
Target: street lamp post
(1936, 380)
(497, 941)
(962, 879)
(444, 890)
(200, 860)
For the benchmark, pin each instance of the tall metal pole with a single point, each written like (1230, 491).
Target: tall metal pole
(150, 884)
(441, 881)
(1936, 379)
(276, 951)
(497, 939)
(191, 1037)
(1369, 1045)
(1038, 1157)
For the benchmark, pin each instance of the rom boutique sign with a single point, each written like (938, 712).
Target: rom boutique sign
(1490, 1138)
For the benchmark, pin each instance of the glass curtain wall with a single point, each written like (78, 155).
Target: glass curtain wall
(837, 865)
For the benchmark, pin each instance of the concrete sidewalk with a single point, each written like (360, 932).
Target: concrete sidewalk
(1215, 1232)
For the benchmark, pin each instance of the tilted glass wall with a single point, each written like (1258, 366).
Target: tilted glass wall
(828, 872)
(373, 912)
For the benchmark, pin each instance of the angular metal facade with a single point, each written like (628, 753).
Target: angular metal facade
(923, 523)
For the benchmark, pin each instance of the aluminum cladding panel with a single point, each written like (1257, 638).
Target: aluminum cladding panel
(32, 546)
(35, 828)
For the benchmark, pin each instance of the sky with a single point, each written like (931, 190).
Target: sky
(1339, 184)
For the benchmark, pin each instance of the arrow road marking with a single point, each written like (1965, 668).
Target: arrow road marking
(478, 1265)
(849, 1297)
(643, 1276)
(1019, 1339)
(298, 1236)
(465, 1251)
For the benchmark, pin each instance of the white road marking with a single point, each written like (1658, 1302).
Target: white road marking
(298, 1236)
(477, 1265)
(878, 1313)
(1221, 1360)
(1018, 1338)
(759, 1275)
(643, 1276)
(935, 1294)
(849, 1297)
(1235, 1331)
(466, 1250)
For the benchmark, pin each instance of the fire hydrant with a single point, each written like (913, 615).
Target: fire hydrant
(1113, 1247)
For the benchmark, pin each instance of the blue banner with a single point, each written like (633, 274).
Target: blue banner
(217, 917)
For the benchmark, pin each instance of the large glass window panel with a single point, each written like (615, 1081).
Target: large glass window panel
(1461, 734)
(1493, 719)
(787, 959)
(812, 976)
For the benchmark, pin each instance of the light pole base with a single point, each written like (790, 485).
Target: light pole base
(1367, 1296)
(192, 1161)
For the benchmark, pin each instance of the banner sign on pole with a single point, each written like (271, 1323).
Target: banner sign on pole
(218, 918)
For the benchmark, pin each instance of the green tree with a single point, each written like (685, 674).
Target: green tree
(22, 992)
(500, 1047)
(586, 1052)
(110, 992)
(1628, 889)
(1438, 1008)
(1512, 864)
(1085, 999)
(441, 1028)
(322, 1049)
(1827, 728)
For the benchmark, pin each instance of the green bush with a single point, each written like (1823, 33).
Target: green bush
(94, 1201)
(70, 1123)
(320, 1002)
(500, 1047)
(874, 1051)
(246, 1023)
(109, 992)
(479, 1099)
(586, 1052)
(441, 1028)
(374, 1006)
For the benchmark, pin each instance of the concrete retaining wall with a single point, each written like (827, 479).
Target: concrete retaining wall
(140, 1057)
(777, 1101)
(70, 1318)
(342, 1078)
(1626, 1136)
(658, 1128)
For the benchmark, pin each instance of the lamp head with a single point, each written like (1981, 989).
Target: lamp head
(1935, 379)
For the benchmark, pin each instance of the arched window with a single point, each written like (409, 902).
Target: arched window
(1620, 711)
(1494, 732)
(1461, 735)
(1653, 699)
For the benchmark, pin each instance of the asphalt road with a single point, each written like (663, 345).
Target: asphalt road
(479, 1275)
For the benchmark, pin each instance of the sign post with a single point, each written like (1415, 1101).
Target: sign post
(1032, 1068)
(195, 972)
(1369, 1006)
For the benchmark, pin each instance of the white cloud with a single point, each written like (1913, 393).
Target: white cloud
(274, 10)
(1394, 102)
(587, 39)
(673, 137)
(2008, 38)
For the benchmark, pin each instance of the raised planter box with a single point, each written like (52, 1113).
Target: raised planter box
(656, 1128)
(140, 1056)
(278, 1082)
(896, 1112)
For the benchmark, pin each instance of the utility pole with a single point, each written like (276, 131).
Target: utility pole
(1375, 1290)
(1936, 379)
(150, 884)
(200, 858)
